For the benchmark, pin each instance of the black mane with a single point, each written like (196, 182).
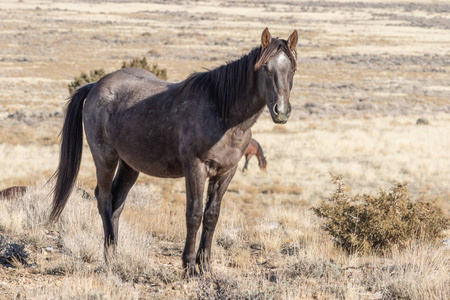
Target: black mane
(227, 82)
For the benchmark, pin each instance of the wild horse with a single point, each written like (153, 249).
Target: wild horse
(198, 129)
(13, 192)
(255, 149)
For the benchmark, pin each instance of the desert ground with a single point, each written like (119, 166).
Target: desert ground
(371, 101)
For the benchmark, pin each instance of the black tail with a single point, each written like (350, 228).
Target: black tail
(71, 150)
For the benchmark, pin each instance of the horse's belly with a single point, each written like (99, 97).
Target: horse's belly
(166, 167)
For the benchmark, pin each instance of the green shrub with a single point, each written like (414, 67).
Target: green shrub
(142, 63)
(94, 75)
(365, 223)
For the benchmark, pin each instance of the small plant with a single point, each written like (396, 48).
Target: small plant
(365, 223)
(142, 63)
(93, 76)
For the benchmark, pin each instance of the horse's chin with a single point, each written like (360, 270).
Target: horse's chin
(280, 120)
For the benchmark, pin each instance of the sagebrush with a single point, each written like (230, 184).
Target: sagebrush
(84, 78)
(96, 74)
(365, 223)
(142, 63)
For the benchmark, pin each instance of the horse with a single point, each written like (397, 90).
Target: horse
(13, 192)
(20, 190)
(198, 129)
(254, 148)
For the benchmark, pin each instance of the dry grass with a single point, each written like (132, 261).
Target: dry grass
(283, 254)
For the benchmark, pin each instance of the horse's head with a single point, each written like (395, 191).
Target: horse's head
(275, 71)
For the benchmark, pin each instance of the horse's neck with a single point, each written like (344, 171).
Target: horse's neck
(246, 110)
(244, 121)
(260, 158)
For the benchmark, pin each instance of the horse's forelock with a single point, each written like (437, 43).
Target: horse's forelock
(274, 48)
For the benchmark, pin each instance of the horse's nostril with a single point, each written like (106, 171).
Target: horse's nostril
(275, 109)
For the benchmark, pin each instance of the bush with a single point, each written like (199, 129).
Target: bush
(364, 223)
(95, 75)
(142, 63)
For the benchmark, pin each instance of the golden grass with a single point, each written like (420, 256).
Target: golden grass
(281, 254)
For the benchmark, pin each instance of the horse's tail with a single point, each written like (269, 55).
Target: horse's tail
(71, 150)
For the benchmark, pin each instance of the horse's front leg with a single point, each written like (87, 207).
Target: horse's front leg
(246, 162)
(216, 189)
(247, 158)
(195, 176)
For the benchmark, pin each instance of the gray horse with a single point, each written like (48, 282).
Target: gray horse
(198, 129)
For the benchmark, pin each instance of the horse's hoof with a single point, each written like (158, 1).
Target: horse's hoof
(190, 270)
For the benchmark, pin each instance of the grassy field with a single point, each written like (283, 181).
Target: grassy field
(367, 71)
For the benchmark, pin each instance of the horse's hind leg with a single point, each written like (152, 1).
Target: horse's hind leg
(124, 180)
(195, 177)
(106, 167)
(216, 189)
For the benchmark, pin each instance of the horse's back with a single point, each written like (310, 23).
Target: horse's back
(252, 147)
(135, 83)
(117, 92)
(128, 114)
(13, 192)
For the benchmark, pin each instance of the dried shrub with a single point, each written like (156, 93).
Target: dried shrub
(365, 223)
(142, 63)
(93, 76)
(13, 253)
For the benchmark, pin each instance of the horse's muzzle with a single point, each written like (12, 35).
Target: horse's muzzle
(281, 118)
(280, 115)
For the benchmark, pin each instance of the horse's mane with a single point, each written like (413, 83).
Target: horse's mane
(227, 83)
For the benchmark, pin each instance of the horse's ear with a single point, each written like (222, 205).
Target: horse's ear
(265, 38)
(292, 40)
